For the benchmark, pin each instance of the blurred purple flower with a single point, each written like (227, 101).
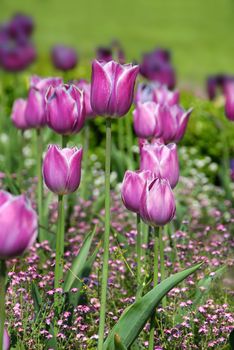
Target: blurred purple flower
(64, 57)
(86, 87)
(18, 114)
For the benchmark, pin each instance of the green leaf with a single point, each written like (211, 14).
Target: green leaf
(231, 339)
(135, 317)
(118, 343)
(36, 298)
(79, 262)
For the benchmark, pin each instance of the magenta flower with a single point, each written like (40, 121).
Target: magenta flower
(132, 188)
(104, 54)
(18, 223)
(161, 160)
(86, 87)
(65, 107)
(18, 114)
(147, 123)
(229, 100)
(6, 340)
(162, 95)
(15, 57)
(112, 88)
(20, 25)
(174, 122)
(64, 58)
(62, 169)
(35, 112)
(157, 205)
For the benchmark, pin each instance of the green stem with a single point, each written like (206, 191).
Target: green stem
(138, 250)
(85, 160)
(128, 122)
(2, 300)
(106, 239)
(162, 262)
(65, 139)
(58, 275)
(41, 233)
(152, 322)
(121, 143)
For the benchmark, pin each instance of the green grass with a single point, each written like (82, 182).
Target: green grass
(200, 32)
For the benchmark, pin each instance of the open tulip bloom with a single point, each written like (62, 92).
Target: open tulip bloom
(112, 90)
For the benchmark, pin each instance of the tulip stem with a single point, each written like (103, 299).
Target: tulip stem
(65, 139)
(41, 233)
(138, 250)
(2, 300)
(59, 243)
(156, 251)
(121, 143)
(129, 137)
(85, 159)
(162, 262)
(106, 238)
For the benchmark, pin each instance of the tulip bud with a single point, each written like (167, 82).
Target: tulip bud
(62, 169)
(161, 160)
(64, 58)
(132, 188)
(147, 123)
(6, 340)
(18, 114)
(112, 88)
(65, 107)
(86, 87)
(229, 100)
(174, 120)
(35, 112)
(157, 205)
(18, 223)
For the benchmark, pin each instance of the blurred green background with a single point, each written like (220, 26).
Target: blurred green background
(199, 32)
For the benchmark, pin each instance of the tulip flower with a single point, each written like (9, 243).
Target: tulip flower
(104, 54)
(147, 123)
(20, 25)
(174, 122)
(65, 109)
(156, 66)
(18, 223)
(157, 205)
(18, 114)
(162, 95)
(161, 160)
(112, 88)
(232, 169)
(15, 57)
(132, 188)
(64, 58)
(229, 100)
(62, 169)
(6, 340)
(35, 112)
(86, 87)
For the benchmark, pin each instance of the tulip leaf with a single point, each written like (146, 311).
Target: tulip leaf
(118, 343)
(36, 298)
(134, 318)
(231, 339)
(79, 262)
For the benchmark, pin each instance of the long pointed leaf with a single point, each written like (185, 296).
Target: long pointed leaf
(135, 317)
(79, 262)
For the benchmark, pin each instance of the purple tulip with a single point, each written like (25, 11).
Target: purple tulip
(229, 100)
(157, 205)
(18, 114)
(232, 169)
(6, 340)
(65, 107)
(144, 93)
(62, 169)
(86, 87)
(112, 88)
(35, 112)
(104, 54)
(147, 123)
(162, 95)
(15, 56)
(156, 66)
(174, 122)
(20, 25)
(18, 223)
(132, 188)
(64, 58)
(161, 160)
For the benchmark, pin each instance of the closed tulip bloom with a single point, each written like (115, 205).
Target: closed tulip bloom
(147, 123)
(64, 58)
(6, 340)
(112, 88)
(174, 122)
(144, 93)
(35, 112)
(62, 169)
(162, 160)
(229, 100)
(65, 107)
(157, 205)
(18, 223)
(162, 95)
(104, 54)
(132, 188)
(86, 87)
(18, 114)
(15, 57)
